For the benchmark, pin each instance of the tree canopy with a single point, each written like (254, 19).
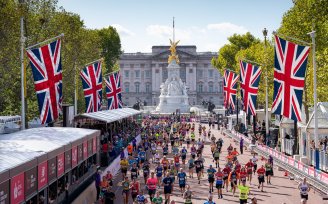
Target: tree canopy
(43, 19)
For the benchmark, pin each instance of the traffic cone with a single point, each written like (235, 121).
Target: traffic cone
(286, 173)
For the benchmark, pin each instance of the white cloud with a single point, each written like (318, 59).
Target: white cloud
(227, 28)
(124, 32)
(161, 31)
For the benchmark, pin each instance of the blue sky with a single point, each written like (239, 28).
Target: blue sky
(204, 23)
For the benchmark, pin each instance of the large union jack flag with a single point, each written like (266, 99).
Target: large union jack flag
(47, 73)
(113, 91)
(289, 71)
(230, 89)
(249, 83)
(92, 86)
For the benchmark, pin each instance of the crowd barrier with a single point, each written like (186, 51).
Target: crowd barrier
(316, 178)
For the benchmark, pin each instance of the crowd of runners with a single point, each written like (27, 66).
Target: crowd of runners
(170, 156)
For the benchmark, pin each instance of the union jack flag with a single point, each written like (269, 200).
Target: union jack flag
(113, 91)
(289, 70)
(230, 89)
(92, 86)
(250, 79)
(47, 73)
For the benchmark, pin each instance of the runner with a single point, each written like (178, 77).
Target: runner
(219, 182)
(254, 160)
(134, 171)
(165, 164)
(210, 173)
(229, 149)
(192, 135)
(226, 172)
(135, 186)
(182, 178)
(233, 179)
(145, 169)
(191, 167)
(193, 151)
(176, 161)
(304, 188)
(168, 184)
(151, 185)
(184, 156)
(242, 175)
(188, 141)
(187, 195)
(124, 166)
(141, 199)
(157, 199)
(249, 168)
(142, 156)
(165, 149)
(268, 171)
(159, 173)
(261, 172)
(243, 192)
(153, 151)
(216, 157)
(198, 163)
(219, 144)
(126, 187)
(210, 200)
(157, 157)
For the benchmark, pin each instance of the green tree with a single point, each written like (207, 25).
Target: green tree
(111, 47)
(226, 57)
(303, 17)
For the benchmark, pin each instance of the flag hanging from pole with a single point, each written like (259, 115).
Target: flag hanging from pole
(92, 86)
(249, 83)
(47, 73)
(230, 89)
(113, 90)
(289, 71)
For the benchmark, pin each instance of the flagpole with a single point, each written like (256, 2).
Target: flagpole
(98, 60)
(75, 90)
(22, 40)
(265, 32)
(316, 139)
(291, 38)
(111, 73)
(32, 46)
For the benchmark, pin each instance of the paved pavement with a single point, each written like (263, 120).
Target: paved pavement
(282, 190)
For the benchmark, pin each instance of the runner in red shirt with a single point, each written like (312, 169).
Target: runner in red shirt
(249, 168)
(135, 186)
(242, 175)
(219, 182)
(260, 173)
(226, 171)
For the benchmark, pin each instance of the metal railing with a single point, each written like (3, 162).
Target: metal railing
(289, 164)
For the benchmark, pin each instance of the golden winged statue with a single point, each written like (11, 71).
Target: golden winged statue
(173, 50)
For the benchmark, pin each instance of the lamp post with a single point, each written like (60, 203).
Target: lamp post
(265, 33)
(22, 42)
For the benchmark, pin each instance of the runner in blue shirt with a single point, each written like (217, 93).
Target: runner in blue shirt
(159, 173)
(182, 177)
(142, 156)
(184, 156)
(141, 199)
(168, 183)
(210, 172)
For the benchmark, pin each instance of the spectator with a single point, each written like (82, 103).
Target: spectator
(97, 183)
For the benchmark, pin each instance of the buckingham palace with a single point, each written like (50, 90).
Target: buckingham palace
(143, 73)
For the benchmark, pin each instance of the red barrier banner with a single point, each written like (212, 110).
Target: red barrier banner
(300, 166)
(305, 169)
(17, 189)
(324, 177)
(311, 171)
(291, 161)
(94, 145)
(296, 164)
(60, 164)
(85, 149)
(42, 175)
(74, 156)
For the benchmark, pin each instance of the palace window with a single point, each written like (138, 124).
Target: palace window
(210, 73)
(147, 73)
(200, 88)
(137, 73)
(148, 88)
(200, 73)
(126, 73)
(220, 87)
(126, 87)
(137, 85)
(210, 87)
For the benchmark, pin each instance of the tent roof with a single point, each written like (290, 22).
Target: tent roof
(23, 146)
(322, 116)
(109, 116)
(5, 119)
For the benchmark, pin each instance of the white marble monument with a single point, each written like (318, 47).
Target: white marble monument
(173, 92)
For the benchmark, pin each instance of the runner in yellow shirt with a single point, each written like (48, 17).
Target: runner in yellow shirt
(124, 166)
(243, 192)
